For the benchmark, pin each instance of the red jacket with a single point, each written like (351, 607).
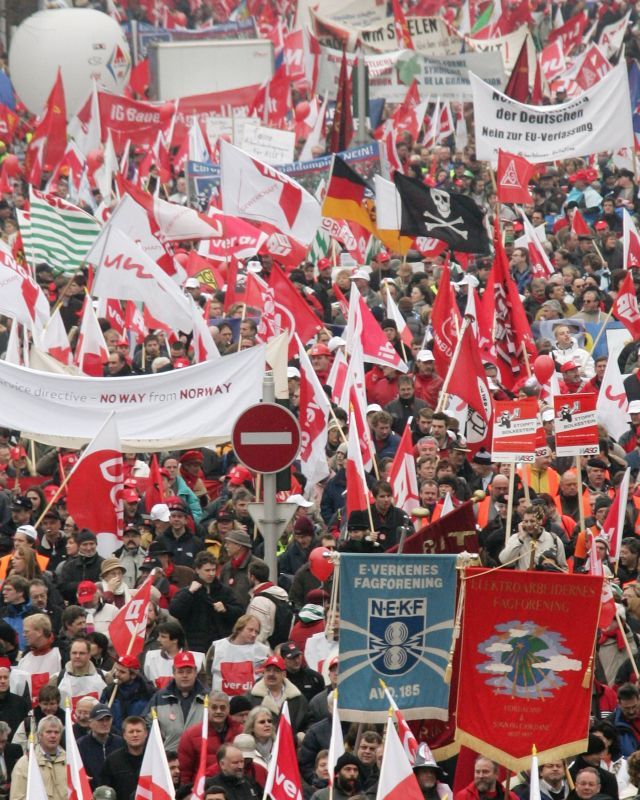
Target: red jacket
(189, 748)
(471, 793)
(428, 388)
(379, 389)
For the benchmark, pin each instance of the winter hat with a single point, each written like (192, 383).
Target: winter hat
(311, 613)
(347, 759)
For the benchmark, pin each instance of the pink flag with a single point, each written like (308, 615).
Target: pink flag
(403, 477)
(99, 475)
(283, 779)
(155, 781)
(128, 627)
(397, 780)
(78, 787)
(91, 351)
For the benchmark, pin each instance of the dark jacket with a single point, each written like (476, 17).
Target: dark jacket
(333, 495)
(236, 579)
(316, 738)
(608, 782)
(130, 701)
(305, 581)
(389, 525)
(201, 622)
(401, 410)
(76, 570)
(235, 788)
(628, 739)
(13, 709)
(121, 771)
(293, 558)
(307, 680)
(94, 754)
(183, 549)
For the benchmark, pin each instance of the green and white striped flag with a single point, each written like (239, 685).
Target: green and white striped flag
(57, 232)
(320, 245)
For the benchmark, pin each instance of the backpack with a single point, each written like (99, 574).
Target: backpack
(283, 619)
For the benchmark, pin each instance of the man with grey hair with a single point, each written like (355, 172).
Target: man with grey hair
(222, 730)
(52, 762)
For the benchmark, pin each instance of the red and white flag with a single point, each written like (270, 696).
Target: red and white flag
(607, 603)
(403, 36)
(20, 295)
(283, 779)
(408, 740)
(258, 191)
(314, 408)
(397, 779)
(50, 135)
(337, 375)
(612, 36)
(125, 272)
(593, 66)
(54, 340)
(155, 781)
(357, 488)
(35, 784)
(625, 306)
(292, 311)
(363, 326)
(197, 792)
(393, 312)
(541, 267)
(613, 404)
(630, 242)
(99, 475)
(468, 378)
(354, 401)
(204, 346)
(91, 351)
(134, 322)
(512, 178)
(402, 476)
(613, 524)
(552, 61)
(579, 225)
(128, 628)
(78, 787)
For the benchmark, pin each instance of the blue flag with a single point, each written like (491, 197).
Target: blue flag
(396, 624)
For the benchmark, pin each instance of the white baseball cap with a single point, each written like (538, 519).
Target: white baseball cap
(29, 531)
(634, 407)
(191, 283)
(299, 500)
(360, 273)
(425, 355)
(159, 513)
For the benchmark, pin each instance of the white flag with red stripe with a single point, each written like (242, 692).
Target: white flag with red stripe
(314, 407)
(362, 326)
(99, 475)
(408, 740)
(337, 376)
(397, 780)
(354, 401)
(91, 351)
(258, 191)
(613, 524)
(78, 786)
(283, 779)
(402, 476)
(155, 782)
(54, 340)
(393, 312)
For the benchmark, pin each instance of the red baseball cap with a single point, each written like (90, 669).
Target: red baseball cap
(324, 263)
(130, 496)
(275, 661)
(320, 349)
(129, 662)
(86, 591)
(184, 659)
(238, 475)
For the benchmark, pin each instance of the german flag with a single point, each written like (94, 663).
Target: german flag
(349, 196)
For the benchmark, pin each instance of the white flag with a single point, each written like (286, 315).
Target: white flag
(612, 405)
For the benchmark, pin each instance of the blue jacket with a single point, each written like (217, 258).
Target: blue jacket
(13, 614)
(629, 742)
(130, 701)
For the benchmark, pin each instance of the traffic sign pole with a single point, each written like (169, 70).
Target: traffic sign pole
(270, 527)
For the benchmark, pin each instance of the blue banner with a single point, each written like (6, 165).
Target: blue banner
(396, 624)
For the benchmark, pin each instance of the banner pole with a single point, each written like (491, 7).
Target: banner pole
(512, 481)
(603, 326)
(580, 490)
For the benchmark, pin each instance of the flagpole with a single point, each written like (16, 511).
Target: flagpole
(512, 483)
(626, 641)
(580, 490)
(445, 386)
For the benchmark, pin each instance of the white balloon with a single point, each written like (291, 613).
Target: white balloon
(84, 43)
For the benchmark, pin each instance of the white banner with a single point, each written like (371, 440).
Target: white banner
(509, 47)
(191, 407)
(270, 145)
(598, 120)
(391, 74)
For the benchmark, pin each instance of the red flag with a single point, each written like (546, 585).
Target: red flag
(571, 32)
(155, 779)
(342, 128)
(502, 304)
(8, 123)
(140, 77)
(517, 87)
(625, 307)
(155, 492)
(405, 42)
(50, 134)
(512, 177)
(296, 315)
(134, 322)
(402, 476)
(407, 117)
(579, 225)
(283, 779)
(204, 270)
(273, 101)
(468, 379)
(445, 319)
(99, 475)
(127, 630)
(357, 489)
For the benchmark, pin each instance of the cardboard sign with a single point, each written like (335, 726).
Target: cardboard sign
(576, 425)
(514, 430)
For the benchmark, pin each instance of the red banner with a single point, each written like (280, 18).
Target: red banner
(233, 102)
(522, 657)
(515, 423)
(576, 425)
(132, 119)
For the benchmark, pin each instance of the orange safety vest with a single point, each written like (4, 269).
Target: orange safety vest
(5, 561)
(553, 479)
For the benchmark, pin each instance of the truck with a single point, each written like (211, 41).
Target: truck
(182, 69)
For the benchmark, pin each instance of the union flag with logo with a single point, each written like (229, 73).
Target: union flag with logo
(512, 178)
(522, 660)
(625, 307)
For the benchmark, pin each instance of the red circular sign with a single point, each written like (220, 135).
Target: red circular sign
(266, 437)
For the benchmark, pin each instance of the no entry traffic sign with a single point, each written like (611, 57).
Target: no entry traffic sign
(266, 437)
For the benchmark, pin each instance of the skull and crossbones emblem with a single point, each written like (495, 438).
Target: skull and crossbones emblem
(442, 202)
